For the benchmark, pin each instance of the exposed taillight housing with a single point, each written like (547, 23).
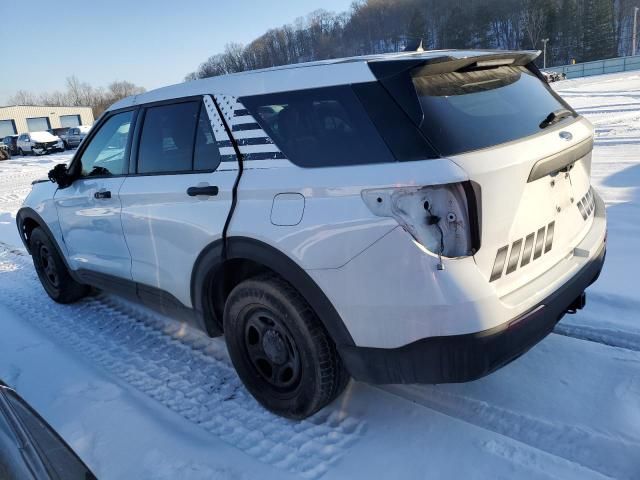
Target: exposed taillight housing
(440, 218)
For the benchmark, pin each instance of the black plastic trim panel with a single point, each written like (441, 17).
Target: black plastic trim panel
(561, 160)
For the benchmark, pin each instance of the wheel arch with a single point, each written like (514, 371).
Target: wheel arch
(213, 278)
(27, 219)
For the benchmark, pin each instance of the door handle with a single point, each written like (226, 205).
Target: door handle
(102, 195)
(209, 191)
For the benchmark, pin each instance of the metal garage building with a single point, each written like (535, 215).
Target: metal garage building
(34, 118)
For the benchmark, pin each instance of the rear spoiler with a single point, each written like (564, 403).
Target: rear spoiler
(384, 69)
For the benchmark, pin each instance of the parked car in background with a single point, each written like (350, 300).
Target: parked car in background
(551, 76)
(61, 133)
(29, 447)
(75, 135)
(11, 141)
(4, 152)
(39, 143)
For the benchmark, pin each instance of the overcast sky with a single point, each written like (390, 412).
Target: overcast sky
(148, 42)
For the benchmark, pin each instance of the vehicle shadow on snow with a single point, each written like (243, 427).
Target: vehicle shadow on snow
(629, 177)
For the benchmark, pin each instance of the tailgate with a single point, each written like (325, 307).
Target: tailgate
(532, 215)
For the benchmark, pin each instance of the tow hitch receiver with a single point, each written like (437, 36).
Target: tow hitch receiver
(578, 304)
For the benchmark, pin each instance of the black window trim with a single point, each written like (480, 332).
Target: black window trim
(133, 169)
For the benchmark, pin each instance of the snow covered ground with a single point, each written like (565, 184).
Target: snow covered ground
(141, 396)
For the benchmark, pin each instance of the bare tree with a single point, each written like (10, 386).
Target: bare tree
(78, 94)
(534, 20)
(22, 97)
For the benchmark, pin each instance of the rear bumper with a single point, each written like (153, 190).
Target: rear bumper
(461, 358)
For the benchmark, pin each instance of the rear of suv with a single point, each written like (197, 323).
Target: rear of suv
(423, 217)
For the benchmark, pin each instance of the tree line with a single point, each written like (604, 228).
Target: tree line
(577, 30)
(79, 94)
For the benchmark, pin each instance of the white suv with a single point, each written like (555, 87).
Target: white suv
(419, 217)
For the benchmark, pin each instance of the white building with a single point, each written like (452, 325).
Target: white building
(33, 118)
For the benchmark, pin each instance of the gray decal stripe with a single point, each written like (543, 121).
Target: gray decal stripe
(264, 156)
(255, 141)
(528, 247)
(228, 158)
(241, 112)
(247, 141)
(549, 243)
(498, 264)
(245, 126)
(539, 243)
(514, 256)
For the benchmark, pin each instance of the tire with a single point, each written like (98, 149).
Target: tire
(21, 152)
(280, 349)
(52, 271)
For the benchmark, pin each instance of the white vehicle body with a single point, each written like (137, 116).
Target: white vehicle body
(39, 143)
(425, 270)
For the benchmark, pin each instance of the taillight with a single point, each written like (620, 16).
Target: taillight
(436, 216)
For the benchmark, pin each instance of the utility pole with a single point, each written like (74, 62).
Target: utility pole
(635, 30)
(544, 55)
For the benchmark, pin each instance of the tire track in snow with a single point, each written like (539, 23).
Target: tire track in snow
(599, 334)
(608, 319)
(580, 445)
(182, 369)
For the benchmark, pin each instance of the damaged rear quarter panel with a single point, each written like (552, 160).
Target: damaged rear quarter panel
(336, 224)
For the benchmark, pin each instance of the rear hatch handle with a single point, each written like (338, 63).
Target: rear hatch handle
(560, 161)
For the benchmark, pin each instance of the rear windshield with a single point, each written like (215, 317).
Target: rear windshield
(465, 111)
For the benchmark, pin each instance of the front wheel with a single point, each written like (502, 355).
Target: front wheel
(280, 349)
(52, 271)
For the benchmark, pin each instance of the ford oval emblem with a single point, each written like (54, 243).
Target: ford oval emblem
(566, 136)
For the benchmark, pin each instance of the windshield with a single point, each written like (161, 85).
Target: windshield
(464, 111)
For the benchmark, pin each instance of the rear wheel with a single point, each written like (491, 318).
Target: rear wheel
(280, 349)
(52, 271)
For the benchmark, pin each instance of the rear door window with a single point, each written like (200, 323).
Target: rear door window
(167, 139)
(206, 155)
(320, 127)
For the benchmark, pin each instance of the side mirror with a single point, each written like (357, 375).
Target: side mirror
(60, 175)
